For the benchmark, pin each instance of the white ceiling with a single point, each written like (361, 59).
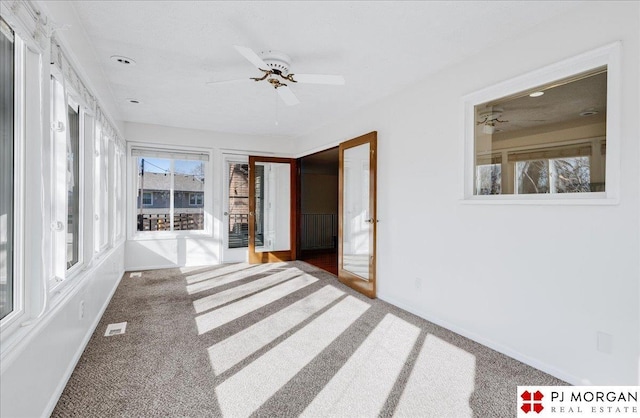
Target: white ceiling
(379, 47)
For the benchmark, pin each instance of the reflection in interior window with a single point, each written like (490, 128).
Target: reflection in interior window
(546, 140)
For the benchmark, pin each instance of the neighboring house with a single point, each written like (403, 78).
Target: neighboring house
(188, 193)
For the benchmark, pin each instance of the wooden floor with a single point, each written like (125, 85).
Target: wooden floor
(324, 259)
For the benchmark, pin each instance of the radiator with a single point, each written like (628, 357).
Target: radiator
(319, 231)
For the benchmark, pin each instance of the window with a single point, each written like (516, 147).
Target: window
(488, 175)
(552, 133)
(147, 199)
(170, 193)
(195, 199)
(73, 187)
(7, 82)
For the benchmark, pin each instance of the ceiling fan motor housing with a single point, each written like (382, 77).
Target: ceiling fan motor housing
(277, 61)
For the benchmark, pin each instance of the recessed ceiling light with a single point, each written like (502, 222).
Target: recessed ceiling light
(536, 94)
(588, 112)
(123, 60)
(134, 101)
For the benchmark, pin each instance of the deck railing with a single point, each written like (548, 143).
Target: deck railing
(162, 221)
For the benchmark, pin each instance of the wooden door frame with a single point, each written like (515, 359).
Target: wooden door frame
(366, 287)
(273, 256)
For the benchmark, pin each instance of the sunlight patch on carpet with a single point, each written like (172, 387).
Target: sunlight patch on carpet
(363, 384)
(212, 283)
(212, 320)
(221, 271)
(241, 394)
(218, 299)
(236, 348)
(441, 382)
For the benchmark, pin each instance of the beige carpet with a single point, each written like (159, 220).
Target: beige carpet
(280, 340)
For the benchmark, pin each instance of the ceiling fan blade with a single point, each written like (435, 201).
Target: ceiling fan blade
(287, 96)
(251, 56)
(336, 80)
(237, 80)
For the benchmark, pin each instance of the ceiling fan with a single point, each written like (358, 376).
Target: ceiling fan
(275, 68)
(489, 119)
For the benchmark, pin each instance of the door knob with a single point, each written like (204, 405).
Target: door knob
(226, 214)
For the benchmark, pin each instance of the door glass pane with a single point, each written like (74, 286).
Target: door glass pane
(238, 213)
(273, 207)
(356, 217)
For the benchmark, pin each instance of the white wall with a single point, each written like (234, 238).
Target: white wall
(193, 250)
(39, 368)
(39, 349)
(535, 282)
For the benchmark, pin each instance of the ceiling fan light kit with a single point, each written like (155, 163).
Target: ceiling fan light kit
(275, 67)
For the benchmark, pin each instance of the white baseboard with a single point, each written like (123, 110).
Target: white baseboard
(553, 371)
(154, 267)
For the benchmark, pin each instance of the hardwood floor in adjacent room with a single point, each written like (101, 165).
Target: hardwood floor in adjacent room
(327, 260)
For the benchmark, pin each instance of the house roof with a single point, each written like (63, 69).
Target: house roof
(182, 182)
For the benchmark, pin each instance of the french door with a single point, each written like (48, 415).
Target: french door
(357, 217)
(272, 209)
(236, 209)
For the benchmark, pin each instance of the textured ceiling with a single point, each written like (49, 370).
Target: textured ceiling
(379, 48)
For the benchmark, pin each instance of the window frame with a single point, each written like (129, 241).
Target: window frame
(132, 189)
(19, 303)
(609, 56)
(60, 274)
(78, 266)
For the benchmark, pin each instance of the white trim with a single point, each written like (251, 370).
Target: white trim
(560, 374)
(608, 55)
(19, 143)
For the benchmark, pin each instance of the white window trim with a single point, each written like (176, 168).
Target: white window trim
(608, 55)
(19, 301)
(132, 209)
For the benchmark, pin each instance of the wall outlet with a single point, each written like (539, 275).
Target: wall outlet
(81, 310)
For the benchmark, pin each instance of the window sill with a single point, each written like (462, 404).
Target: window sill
(583, 199)
(165, 235)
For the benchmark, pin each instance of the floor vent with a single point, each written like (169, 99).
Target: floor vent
(136, 274)
(115, 329)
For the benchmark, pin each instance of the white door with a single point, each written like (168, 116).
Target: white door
(235, 207)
